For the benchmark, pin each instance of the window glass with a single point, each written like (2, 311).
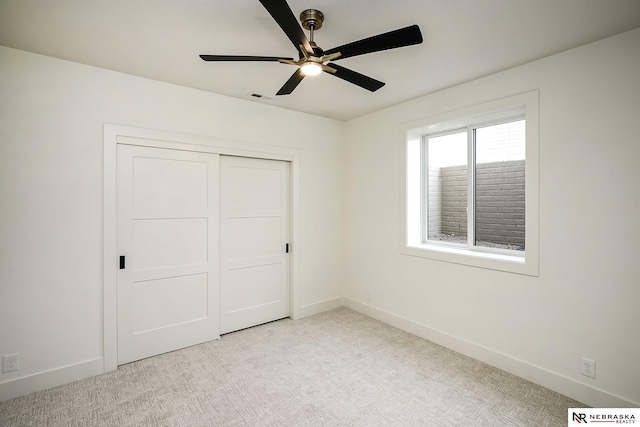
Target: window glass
(496, 184)
(447, 188)
(500, 186)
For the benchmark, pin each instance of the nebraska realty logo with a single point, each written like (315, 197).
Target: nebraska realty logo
(581, 416)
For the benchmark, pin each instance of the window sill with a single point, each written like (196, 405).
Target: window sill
(518, 264)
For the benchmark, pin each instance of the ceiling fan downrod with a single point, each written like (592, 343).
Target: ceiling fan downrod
(311, 20)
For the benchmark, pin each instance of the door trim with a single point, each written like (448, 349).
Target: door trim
(116, 134)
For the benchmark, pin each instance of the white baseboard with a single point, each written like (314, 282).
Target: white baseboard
(571, 388)
(43, 380)
(320, 307)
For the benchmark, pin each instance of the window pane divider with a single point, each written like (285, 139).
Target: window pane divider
(471, 187)
(424, 200)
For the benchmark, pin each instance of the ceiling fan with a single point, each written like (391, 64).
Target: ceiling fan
(312, 60)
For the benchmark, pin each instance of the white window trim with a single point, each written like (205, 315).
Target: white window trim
(411, 194)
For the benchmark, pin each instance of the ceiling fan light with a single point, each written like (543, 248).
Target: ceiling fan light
(311, 69)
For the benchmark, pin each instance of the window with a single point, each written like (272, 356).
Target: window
(472, 186)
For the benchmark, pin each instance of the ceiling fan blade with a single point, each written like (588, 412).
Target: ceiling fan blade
(281, 12)
(292, 83)
(355, 78)
(242, 58)
(393, 39)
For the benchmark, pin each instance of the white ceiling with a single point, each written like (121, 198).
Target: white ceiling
(161, 40)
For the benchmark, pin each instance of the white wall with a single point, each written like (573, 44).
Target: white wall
(52, 114)
(586, 300)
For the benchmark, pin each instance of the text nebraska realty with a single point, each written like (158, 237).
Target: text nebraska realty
(605, 418)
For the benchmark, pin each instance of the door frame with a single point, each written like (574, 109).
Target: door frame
(116, 134)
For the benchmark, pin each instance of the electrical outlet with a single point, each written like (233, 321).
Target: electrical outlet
(10, 362)
(588, 367)
(369, 296)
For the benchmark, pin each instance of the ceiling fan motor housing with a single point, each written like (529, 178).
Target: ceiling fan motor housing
(311, 19)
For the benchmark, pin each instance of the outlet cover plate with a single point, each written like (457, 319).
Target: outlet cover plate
(588, 367)
(10, 362)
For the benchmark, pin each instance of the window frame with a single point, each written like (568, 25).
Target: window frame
(413, 229)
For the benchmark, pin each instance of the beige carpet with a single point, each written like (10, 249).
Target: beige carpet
(338, 368)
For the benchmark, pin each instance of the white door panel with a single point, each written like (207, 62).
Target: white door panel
(254, 286)
(168, 216)
(169, 242)
(169, 183)
(253, 187)
(186, 295)
(254, 267)
(253, 236)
